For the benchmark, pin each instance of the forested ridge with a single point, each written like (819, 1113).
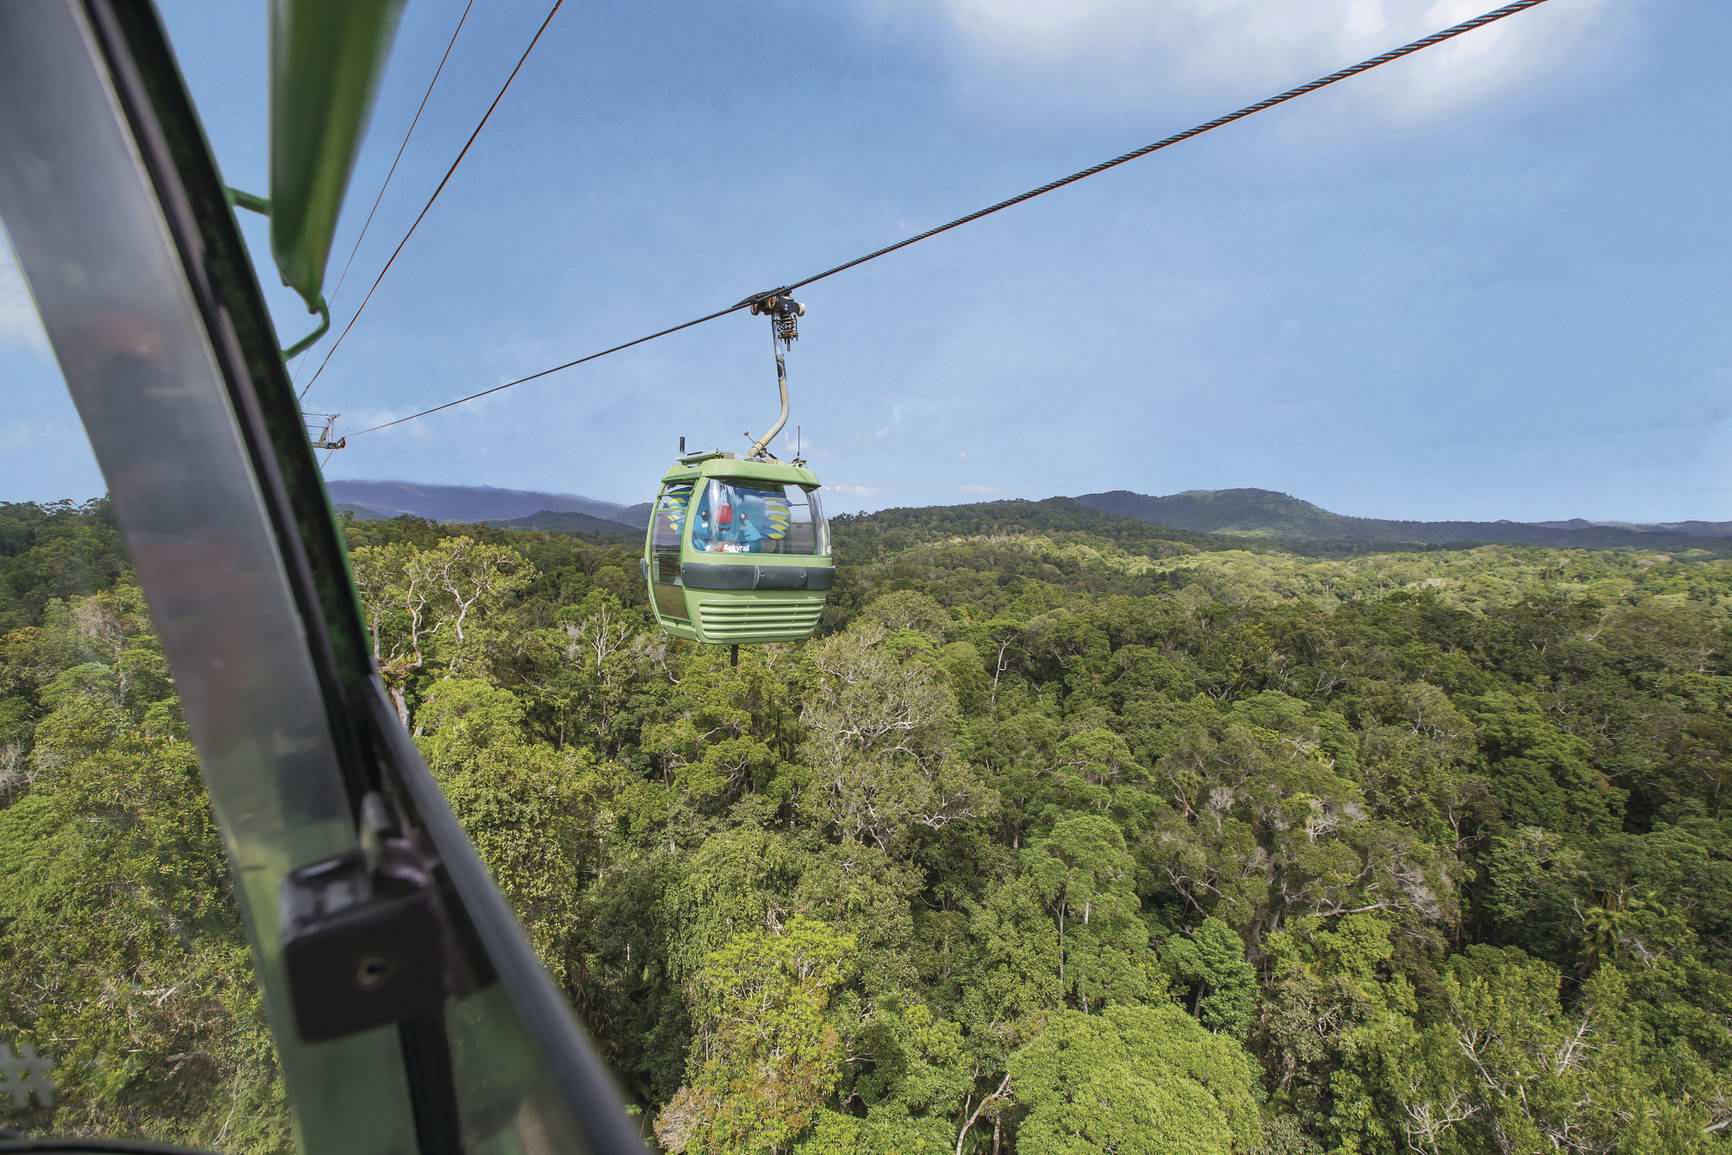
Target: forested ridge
(1287, 519)
(1067, 834)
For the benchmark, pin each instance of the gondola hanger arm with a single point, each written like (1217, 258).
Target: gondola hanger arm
(784, 313)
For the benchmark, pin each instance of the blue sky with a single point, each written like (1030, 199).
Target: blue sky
(1488, 281)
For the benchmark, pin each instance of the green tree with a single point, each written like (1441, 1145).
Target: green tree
(766, 1056)
(881, 745)
(1085, 879)
(1138, 1080)
(519, 803)
(1210, 969)
(122, 953)
(1502, 1064)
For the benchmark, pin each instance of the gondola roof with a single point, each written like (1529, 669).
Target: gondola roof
(701, 466)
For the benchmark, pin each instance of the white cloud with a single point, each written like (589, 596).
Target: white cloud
(1111, 52)
(19, 326)
(855, 490)
(983, 490)
(908, 412)
(18, 436)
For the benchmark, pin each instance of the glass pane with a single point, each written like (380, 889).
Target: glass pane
(820, 527)
(737, 518)
(670, 515)
(128, 1001)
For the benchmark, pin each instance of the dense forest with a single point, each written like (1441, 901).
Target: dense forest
(1066, 834)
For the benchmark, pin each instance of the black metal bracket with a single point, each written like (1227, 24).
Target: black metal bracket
(758, 300)
(366, 939)
(784, 313)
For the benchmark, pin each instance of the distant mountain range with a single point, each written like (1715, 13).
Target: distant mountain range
(479, 503)
(1280, 517)
(1277, 518)
(574, 522)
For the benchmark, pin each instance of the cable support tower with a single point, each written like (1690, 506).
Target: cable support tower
(321, 431)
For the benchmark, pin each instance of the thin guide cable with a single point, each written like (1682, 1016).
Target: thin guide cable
(446, 179)
(395, 160)
(1306, 89)
(392, 171)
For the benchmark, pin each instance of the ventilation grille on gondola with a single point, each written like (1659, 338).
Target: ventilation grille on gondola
(722, 621)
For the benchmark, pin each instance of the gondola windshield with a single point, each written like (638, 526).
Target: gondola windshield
(733, 517)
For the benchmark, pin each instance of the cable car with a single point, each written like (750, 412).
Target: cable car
(737, 550)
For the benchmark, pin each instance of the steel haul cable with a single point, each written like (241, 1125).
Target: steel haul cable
(446, 179)
(1165, 142)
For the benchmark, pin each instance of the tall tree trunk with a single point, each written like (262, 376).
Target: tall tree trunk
(968, 1125)
(1061, 906)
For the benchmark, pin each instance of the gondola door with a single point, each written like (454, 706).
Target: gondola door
(670, 515)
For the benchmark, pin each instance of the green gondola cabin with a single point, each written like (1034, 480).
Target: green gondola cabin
(737, 551)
